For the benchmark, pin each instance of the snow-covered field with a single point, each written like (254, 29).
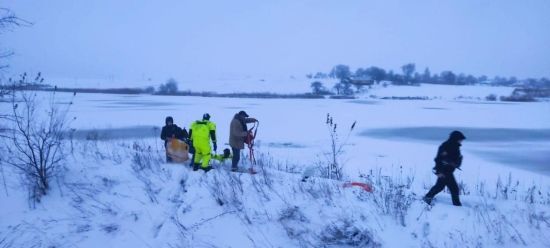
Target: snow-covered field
(116, 192)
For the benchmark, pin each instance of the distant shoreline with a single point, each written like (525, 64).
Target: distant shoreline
(257, 95)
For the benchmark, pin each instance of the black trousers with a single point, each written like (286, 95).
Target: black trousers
(236, 157)
(449, 181)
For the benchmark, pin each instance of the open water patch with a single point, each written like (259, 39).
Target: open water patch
(472, 134)
(527, 149)
(133, 132)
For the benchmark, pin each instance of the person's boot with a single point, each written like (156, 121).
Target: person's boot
(207, 169)
(196, 167)
(456, 201)
(427, 200)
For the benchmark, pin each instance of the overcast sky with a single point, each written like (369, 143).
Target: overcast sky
(215, 39)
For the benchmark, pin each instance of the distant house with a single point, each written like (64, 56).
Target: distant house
(486, 82)
(361, 81)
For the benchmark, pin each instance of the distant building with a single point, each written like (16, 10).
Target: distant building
(486, 82)
(361, 81)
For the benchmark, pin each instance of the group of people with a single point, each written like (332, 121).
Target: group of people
(201, 139)
(201, 132)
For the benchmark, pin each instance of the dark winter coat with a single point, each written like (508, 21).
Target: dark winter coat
(448, 157)
(238, 131)
(173, 131)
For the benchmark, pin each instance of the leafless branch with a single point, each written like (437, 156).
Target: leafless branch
(9, 19)
(35, 141)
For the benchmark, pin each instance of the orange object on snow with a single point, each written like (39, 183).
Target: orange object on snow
(364, 186)
(177, 150)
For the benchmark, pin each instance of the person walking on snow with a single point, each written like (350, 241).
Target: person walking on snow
(200, 133)
(172, 131)
(237, 135)
(448, 159)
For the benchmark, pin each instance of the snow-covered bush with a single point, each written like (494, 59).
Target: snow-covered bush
(491, 97)
(295, 223)
(392, 194)
(292, 213)
(345, 232)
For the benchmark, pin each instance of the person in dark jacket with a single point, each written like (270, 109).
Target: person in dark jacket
(237, 135)
(447, 160)
(172, 131)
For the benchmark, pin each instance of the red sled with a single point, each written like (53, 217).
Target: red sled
(364, 186)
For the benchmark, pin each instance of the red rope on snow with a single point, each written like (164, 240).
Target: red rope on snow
(364, 186)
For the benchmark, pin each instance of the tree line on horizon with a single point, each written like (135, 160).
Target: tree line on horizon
(410, 76)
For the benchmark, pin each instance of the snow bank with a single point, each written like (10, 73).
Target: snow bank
(121, 194)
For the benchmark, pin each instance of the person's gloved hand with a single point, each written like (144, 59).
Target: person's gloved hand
(215, 147)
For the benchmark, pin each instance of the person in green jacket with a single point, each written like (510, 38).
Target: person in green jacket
(200, 133)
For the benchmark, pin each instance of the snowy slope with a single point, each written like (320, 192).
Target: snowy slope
(123, 195)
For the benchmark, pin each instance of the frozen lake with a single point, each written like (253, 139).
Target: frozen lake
(388, 132)
(524, 148)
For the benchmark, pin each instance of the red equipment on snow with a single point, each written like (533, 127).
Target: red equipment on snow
(364, 186)
(250, 142)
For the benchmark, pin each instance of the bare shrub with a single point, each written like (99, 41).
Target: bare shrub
(506, 190)
(497, 224)
(293, 221)
(227, 189)
(110, 228)
(260, 185)
(36, 140)
(334, 165)
(538, 219)
(8, 19)
(392, 194)
(491, 97)
(512, 189)
(146, 167)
